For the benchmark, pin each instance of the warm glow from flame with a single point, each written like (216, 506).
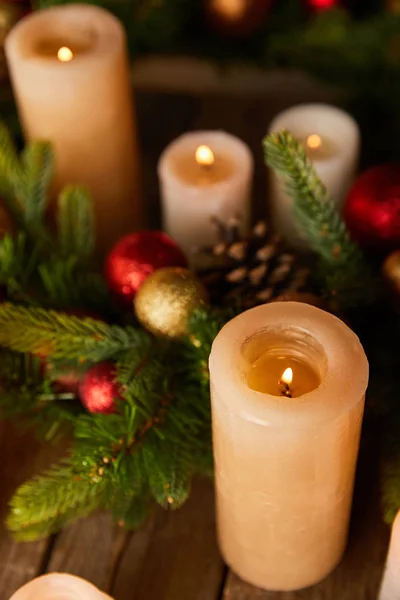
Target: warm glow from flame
(205, 156)
(231, 9)
(65, 54)
(314, 141)
(287, 376)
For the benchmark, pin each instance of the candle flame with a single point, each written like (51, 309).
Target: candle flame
(287, 376)
(205, 156)
(314, 141)
(65, 54)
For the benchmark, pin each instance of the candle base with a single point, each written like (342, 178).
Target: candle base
(259, 583)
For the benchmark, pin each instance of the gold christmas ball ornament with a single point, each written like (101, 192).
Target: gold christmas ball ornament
(166, 299)
(391, 271)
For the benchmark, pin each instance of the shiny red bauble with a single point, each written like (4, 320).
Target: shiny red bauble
(237, 18)
(137, 256)
(98, 389)
(320, 5)
(372, 209)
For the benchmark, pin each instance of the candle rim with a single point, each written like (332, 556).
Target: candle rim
(228, 367)
(319, 113)
(193, 139)
(25, 37)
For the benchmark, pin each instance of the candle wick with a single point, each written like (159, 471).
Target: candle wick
(286, 391)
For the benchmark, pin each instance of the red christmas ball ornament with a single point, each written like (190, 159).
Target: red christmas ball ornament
(372, 209)
(137, 256)
(320, 5)
(237, 18)
(98, 389)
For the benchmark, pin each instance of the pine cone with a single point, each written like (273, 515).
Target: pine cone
(251, 270)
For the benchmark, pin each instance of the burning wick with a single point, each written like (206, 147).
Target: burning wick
(314, 141)
(65, 54)
(285, 381)
(205, 156)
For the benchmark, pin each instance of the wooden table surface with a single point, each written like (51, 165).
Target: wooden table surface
(175, 555)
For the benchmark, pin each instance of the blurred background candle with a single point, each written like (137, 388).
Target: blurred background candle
(70, 76)
(390, 588)
(331, 139)
(287, 387)
(204, 174)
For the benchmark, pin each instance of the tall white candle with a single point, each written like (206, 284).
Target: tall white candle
(70, 75)
(59, 586)
(331, 138)
(287, 389)
(390, 588)
(204, 174)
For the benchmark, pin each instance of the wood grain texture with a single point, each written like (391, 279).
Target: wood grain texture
(21, 458)
(90, 549)
(176, 556)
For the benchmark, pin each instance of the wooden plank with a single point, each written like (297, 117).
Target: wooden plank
(358, 576)
(189, 75)
(22, 457)
(89, 548)
(176, 556)
(161, 118)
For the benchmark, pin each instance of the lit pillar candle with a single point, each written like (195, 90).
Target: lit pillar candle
(70, 76)
(390, 588)
(59, 586)
(203, 175)
(331, 138)
(287, 387)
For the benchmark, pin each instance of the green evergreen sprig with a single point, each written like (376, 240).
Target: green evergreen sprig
(342, 266)
(147, 452)
(62, 336)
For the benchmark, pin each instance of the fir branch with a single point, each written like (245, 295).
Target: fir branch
(9, 173)
(33, 184)
(342, 265)
(27, 396)
(130, 510)
(64, 337)
(170, 468)
(59, 496)
(68, 282)
(76, 222)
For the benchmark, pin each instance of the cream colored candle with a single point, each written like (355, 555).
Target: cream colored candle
(204, 175)
(287, 387)
(390, 588)
(331, 138)
(70, 75)
(59, 586)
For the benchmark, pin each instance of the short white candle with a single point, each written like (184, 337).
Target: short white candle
(331, 138)
(59, 586)
(70, 76)
(390, 588)
(287, 391)
(204, 174)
